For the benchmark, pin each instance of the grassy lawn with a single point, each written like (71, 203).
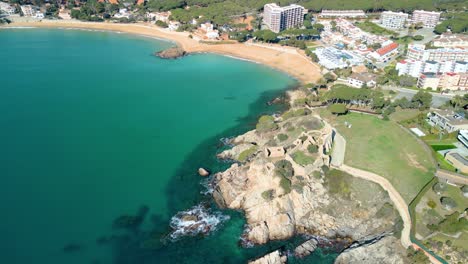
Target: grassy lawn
(404, 114)
(374, 28)
(386, 149)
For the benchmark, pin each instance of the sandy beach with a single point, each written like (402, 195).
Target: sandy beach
(289, 60)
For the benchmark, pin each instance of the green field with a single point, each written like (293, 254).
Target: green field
(384, 148)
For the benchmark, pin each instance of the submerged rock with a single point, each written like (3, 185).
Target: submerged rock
(72, 247)
(306, 248)
(198, 220)
(203, 172)
(171, 53)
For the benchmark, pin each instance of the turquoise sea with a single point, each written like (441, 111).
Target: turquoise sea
(94, 128)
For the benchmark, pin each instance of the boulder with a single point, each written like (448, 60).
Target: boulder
(305, 248)
(203, 172)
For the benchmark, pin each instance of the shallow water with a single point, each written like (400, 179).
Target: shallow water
(93, 127)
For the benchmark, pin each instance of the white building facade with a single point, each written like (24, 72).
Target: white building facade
(429, 19)
(393, 20)
(280, 18)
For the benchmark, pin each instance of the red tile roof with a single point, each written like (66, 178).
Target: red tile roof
(384, 50)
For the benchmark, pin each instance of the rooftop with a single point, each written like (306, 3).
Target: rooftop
(363, 77)
(384, 50)
(452, 117)
(459, 157)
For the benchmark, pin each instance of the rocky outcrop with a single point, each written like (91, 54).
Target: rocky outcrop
(171, 53)
(278, 207)
(274, 257)
(203, 172)
(387, 250)
(305, 248)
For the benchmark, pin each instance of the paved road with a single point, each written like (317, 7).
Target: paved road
(437, 98)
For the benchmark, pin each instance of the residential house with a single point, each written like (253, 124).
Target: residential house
(385, 53)
(174, 25)
(358, 80)
(447, 120)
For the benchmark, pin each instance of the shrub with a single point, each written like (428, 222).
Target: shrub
(298, 187)
(448, 203)
(162, 24)
(268, 195)
(295, 113)
(385, 210)
(300, 102)
(285, 183)
(282, 137)
(317, 174)
(284, 169)
(266, 123)
(431, 204)
(302, 159)
(312, 148)
(244, 155)
(439, 188)
(338, 109)
(338, 182)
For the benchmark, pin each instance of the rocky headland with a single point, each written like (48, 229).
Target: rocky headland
(283, 181)
(171, 53)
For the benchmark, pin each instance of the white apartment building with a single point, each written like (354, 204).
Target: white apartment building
(429, 19)
(419, 52)
(414, 68)
(447, 120)
(449, 40)
(7, 8)
(343, 13)
(446, 81)
(28, 10)
(280, 18)
(393, 20)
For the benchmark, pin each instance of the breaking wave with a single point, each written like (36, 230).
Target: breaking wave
(198, 220)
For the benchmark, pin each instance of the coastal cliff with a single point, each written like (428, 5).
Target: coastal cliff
(283, 183)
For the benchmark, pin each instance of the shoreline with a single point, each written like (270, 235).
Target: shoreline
(290, 61)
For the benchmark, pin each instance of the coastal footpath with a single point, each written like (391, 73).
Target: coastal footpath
(289, 60)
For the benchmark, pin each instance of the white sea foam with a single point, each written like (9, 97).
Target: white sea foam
(195, 221)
